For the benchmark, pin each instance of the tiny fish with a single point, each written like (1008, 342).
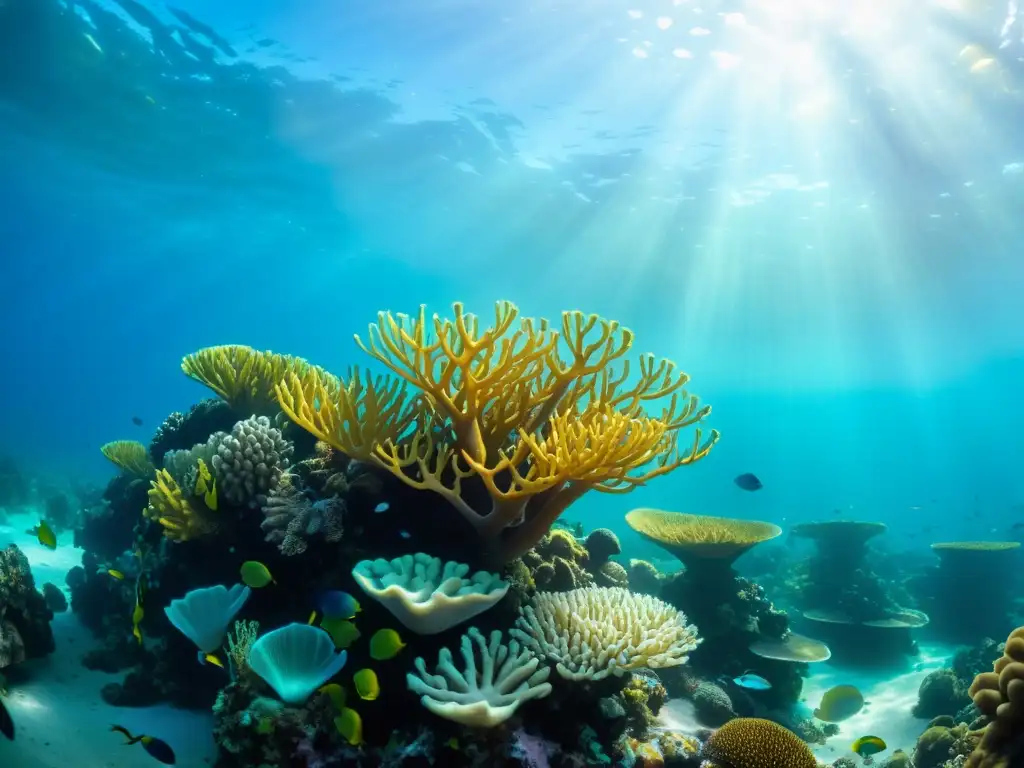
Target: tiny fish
(158, 749)
(115, 574)
(385, 644)
(336, 604)
(752, 682)
(255, 574)
(45, 536)
(866, 746)
(6, 724)
(342, 631)
(405, 534)
(748, 482)
(136, 421)
(137, 615)
(367, 685)
(382, 507)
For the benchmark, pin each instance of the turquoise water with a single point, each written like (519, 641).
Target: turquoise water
(813, 210)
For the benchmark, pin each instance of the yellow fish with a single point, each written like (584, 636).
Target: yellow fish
(206, 486)
(342, 632)
(45, 535)
(866, 746)
(350, 725)
(336, 694)
(209, 658)
(255, 574)
(367, 685)
(115, 574)
(385, 644)
(137, 615)
(839, 703)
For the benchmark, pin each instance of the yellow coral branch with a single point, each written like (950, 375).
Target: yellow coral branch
(171, 508)
(242, 376)
(129, 455)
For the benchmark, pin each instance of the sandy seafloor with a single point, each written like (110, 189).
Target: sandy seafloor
(59, 717)
(62, 722)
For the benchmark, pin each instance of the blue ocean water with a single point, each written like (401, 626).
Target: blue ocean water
(813, 208)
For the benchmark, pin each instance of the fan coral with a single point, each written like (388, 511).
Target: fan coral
(594, 632)
(203, 615)
(291, 518)
(484, 697)
(750, 742)
(295, 660)
(249, 461)
(500, 405)
(130, 456)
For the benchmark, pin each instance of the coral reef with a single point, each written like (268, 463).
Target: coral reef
(755, 743)
(999, 695)
(574, 427)
(942, 593)
(731, 612)
(24, 615)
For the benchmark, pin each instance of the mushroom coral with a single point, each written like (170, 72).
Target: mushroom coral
(750, 742)
(539, 416)
(999, 694)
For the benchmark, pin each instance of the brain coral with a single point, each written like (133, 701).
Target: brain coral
(749, 742)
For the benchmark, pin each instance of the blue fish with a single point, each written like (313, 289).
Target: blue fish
(752, 682)
(335, 604)
(748, 482)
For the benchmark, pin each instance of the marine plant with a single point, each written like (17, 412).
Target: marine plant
(538, 416)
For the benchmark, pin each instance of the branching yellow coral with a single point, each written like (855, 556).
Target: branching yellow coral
(129, 455)
(241, 375)
(170, 507)
(539, 415)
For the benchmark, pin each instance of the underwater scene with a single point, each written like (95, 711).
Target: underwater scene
(626, 383)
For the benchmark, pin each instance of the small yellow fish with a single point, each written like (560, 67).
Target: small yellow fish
(209, 658)
(45, 535)
(350, 725)
(839, 703)
(206, 485)
(866, 746)
(342, 632)
(115, 574)
(385, 644)
(255, 574)
(137, 633)
(312, 617)
(367, 685)
(336, 694)
(210, 497)
(137, 615)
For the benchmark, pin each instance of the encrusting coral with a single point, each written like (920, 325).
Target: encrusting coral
(594, 632)
(130, 455)
(484, 696)
(999, 695)
(500, 404)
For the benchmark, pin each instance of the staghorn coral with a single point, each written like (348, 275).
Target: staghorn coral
(180, 517)
(130, 456)
(594, 632)
(750, 742)
(242, 376)
(483, 697)
(248, 462)
(291, 517)
(999, 695)
(499, 404)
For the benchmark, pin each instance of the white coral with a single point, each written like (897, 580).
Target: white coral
(593, 632)
(427, 594)
(486, 696)
(249, 461)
